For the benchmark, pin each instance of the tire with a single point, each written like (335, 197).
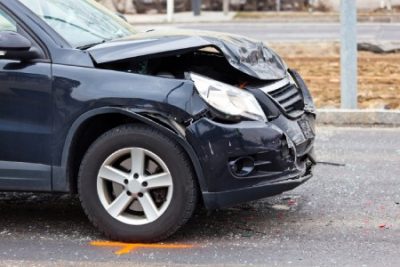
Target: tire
(159, 207)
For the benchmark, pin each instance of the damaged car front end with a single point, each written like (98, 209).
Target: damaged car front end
(143, 126)
(252, 128)
(249, 160)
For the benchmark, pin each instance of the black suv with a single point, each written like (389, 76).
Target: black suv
(144, 126)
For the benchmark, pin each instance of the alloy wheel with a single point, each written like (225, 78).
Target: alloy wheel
(134, 186)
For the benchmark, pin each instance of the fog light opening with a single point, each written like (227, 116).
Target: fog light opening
(242, 166)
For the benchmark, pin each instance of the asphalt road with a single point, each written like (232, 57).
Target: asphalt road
(345, 216)
(295, 31)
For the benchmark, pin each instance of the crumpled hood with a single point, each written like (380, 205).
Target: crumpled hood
(249, 56)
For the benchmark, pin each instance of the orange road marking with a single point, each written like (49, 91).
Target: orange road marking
(125, 248)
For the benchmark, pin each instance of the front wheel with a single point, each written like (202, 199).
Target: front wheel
(136, 185)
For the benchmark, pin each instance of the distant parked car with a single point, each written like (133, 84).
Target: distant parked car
(143, 126)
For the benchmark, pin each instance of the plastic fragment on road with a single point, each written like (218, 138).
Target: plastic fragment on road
(382, 226)
(280, 207)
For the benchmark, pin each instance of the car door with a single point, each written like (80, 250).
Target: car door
(25, 119)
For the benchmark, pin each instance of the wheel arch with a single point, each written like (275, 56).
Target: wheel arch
(64, 176)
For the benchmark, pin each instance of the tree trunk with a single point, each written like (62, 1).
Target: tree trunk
(121, 6)
(108, 4)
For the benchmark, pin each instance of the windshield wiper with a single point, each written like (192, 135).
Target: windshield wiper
(87, 46)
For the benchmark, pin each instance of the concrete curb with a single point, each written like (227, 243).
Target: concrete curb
(254, 17)
(328, 18)
(367, 117)
(182, 17)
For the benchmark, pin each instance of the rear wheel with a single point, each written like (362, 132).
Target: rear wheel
(136, 185)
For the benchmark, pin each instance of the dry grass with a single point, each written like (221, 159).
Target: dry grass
(379, 75)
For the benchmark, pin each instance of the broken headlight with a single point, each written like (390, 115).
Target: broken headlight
(227, 99)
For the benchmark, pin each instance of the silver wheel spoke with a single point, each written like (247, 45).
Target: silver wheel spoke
(111, 174)
(137, 158)
(133, 203)
(149, 208)
(119, 204)
(158, 180)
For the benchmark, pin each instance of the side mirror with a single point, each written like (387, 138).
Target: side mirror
(15, 46)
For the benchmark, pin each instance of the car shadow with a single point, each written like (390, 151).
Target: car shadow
(259, 219)
(49, 216)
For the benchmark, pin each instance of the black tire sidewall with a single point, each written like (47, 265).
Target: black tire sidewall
(158, 144)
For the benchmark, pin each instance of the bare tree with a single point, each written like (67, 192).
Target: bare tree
(122, 6)
(386, 4)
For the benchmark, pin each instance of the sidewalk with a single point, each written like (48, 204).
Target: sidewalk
(315, 17)
(219, 17)
(181, 17)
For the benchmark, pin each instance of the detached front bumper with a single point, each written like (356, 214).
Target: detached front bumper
(281, 152)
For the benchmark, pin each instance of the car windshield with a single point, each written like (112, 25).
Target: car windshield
(82, 23)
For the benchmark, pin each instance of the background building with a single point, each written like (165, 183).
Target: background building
(159, 6)
(363, 4)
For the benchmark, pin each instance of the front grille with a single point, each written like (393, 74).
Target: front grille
(289, 97)
(286, 94)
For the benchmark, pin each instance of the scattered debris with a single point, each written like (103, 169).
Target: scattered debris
(280, 207)
(331, 163)
(380, 47)
(383, 226)
(248, 231)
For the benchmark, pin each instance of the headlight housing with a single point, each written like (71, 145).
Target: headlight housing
(227, 99)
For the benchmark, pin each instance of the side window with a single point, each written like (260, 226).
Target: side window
(7, 23)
